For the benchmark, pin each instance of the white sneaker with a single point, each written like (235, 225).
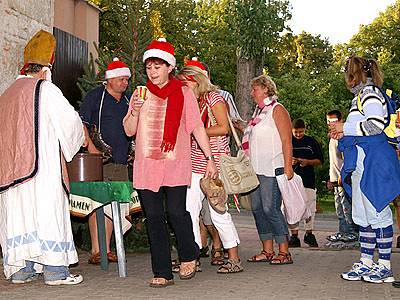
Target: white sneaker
(70, 280)
(379, 274)
(26, 280)
(357, 271)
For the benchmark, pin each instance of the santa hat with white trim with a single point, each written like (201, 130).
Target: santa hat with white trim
(161, 49)
(117, 68)
(194, 62)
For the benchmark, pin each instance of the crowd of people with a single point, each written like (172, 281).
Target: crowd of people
(181, 128)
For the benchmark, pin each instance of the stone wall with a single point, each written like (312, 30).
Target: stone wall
(19, 21)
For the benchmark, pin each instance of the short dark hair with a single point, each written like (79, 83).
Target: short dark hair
(336, 113)
(156, 60)
(298, 123)
(33, 68)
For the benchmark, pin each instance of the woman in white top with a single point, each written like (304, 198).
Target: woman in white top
(268, 142)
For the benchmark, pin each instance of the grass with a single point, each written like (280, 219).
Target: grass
(326, 203)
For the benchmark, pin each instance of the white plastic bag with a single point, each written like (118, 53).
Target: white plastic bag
(294, 198)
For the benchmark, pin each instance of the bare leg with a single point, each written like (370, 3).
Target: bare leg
(284, 247)
(93, 233)
(215, 236)
(203, 234)
(233, 253)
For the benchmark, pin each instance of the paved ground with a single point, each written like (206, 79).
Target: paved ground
(314, 274)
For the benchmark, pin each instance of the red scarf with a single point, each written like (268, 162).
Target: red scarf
(172, 92)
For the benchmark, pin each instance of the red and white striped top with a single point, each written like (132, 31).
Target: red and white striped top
(218, 144)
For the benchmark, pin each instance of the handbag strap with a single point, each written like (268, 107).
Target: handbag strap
(234, 133)
(233, 130)
(213, 122)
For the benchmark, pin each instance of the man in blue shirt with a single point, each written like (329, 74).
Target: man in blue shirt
(104, 108)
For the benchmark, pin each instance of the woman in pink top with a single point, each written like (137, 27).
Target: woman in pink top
(214, 115)
(163, 125)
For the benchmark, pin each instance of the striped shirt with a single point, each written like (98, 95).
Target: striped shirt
(218, 144)
(374, 115)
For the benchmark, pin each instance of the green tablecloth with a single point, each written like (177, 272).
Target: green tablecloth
(87, 196)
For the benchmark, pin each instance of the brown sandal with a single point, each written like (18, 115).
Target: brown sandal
(176, 267)
(112, 257)
(231, 266)
(159, 282)
(94, 259)
(282, 258)
(268, 257)
(187, 270)
(217, 257)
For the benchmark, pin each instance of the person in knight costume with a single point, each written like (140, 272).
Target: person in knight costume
(40, 132)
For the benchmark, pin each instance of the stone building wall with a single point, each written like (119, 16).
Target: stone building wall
(19, 21)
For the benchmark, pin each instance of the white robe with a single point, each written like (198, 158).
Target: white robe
(34, 216)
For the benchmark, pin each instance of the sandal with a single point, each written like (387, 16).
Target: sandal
(268, 257)
(187, 270)
(112, 257)
(176, 267)
(231, 266)
(159, 282)
(217, 257)
(94, 259)
(282, 258)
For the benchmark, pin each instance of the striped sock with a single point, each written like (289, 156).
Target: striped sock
(367, 244)
(384, 239)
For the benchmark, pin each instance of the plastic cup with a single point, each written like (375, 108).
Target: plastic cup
(142, 91)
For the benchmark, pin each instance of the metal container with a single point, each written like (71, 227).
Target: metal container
(86, 167)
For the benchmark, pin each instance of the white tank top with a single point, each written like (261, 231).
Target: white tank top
(266, 146)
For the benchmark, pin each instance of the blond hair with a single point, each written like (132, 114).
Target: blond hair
(358, 69)
(265, 82)
(192, 73)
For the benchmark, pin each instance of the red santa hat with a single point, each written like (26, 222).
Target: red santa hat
(194, 62)
(161, 49)
(117, 68)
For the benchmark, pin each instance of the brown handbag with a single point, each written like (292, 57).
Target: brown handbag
(215, 193)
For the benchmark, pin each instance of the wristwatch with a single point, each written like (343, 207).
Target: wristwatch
(211, 157)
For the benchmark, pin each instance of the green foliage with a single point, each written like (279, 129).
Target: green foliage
(125, 31)
(135, 239)
(380, 39)
(258, 24)
(310, 97)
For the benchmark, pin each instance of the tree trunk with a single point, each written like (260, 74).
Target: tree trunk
(247, 69)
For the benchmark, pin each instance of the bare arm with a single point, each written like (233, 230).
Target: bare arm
(221, 116)
(284, 126)
(309, 162)
(131, 120)
(202, 139)
(90, 146)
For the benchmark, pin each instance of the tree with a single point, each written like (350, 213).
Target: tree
(258, 24)
(125, 31)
